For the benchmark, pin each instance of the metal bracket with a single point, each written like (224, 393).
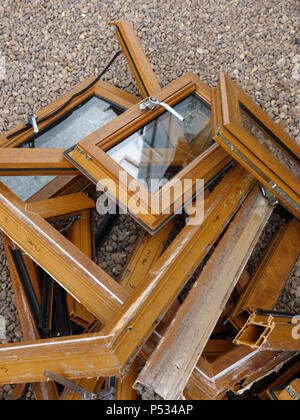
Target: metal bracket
(152, 103)
(82, 152)
(292, 393)
(104, 394)
(272, 200)
(31, 121)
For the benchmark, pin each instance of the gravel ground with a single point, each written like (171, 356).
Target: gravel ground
(50, 46)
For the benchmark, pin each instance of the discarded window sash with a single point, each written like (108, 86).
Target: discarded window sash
(41, 155)
(247, 133)
(112, 351)
(98, 156)
(167, 372)
(234, 369)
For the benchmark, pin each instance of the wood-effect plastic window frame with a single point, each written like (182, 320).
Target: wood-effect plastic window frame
(229, 132)
(91, 158)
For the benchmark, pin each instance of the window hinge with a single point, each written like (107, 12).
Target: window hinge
(83, 153)
(292, 393)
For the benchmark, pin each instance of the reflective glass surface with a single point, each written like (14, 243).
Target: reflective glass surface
(157, 152)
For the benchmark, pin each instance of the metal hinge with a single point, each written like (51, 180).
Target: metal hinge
(218, 131)
(83, 153)
(272, 200)
(292, 393)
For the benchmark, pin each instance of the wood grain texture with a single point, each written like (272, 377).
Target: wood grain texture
(111, 352)
(53, 252)
(137, 60)
(266, 285)
(17, 162)
(230, 133)
(167, 372)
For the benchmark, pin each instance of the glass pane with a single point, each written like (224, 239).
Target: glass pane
(82, 122)
(158, 151)
(270, 144)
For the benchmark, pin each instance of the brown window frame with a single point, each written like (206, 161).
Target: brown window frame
(90, 156)
(16, 161)
(110, 352)
(237, 141)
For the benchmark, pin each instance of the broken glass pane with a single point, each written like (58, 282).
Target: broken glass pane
(166, 145)
(82, 122)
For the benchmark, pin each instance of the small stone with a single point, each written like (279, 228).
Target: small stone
(281, 62)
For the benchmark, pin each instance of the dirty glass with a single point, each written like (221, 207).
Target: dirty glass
(157, 152)
(25, 186)
(257, 131)
(82, 122)
(85, 120)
